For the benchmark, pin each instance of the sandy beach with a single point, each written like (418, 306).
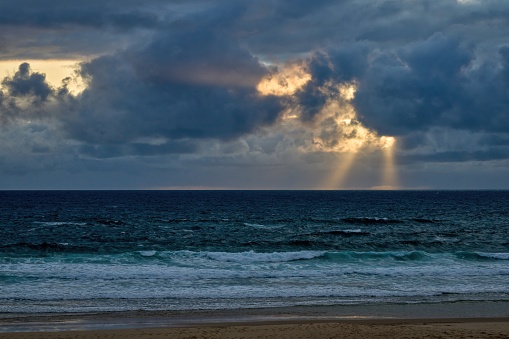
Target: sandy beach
(455, 320)
(458, 328)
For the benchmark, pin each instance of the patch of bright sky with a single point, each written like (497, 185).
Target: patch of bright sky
(55, 71)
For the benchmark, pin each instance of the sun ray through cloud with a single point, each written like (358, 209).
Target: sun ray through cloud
(281, 94)
(337, 177)
(390, 177)
(335, 128)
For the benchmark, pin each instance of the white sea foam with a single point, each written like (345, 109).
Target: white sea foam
(254, 225)
(147, 253)
(252, 257)
(503, 256)
(178, 278)
(59, 223)
(263, 227)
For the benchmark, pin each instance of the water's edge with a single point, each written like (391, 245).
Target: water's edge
(430, 312)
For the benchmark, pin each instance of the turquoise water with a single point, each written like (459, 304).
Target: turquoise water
(87, 251)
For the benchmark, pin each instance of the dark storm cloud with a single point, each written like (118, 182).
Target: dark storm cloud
(194, 84)
(173, 73)
(419, 86)
(63, 29)
(190, 81)
(439, 81)
(60, 13)
(27, 84)
(336, 65)
(295, 9)
(27, 95)
(434, 82)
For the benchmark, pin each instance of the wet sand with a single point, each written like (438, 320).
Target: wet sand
(455, 320)
(460, 328)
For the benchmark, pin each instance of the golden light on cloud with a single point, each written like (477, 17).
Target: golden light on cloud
(284, 82)
(347, 91)
(338, 127)
(342, 132)
(55, 70)
(335, 128)
(387, 142)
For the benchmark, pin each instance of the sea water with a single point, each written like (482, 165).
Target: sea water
(89, 251)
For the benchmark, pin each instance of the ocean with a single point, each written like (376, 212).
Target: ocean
(93, 251)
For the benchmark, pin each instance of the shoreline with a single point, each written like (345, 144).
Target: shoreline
(349, 329)
(479, 312)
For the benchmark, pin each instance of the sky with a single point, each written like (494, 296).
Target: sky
(265, 94)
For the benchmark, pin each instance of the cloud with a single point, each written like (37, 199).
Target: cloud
(62, 29)
(194, 83)
(178, 81)
(197, 85)
(437, 82)
(27, 96)
(27, 84)
(61, 13)
(410, 90)
(414, 87)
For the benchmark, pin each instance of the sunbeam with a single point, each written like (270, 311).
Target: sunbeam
(389, 178)
(334, 129)
(336, 179)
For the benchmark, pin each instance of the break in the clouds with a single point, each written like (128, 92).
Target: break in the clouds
(265, 94)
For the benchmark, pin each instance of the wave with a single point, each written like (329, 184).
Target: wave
(371, 220)
(256, 257)
(346, 232)
(108, 222)
(263, 227)
(398, 256)
(482, 256)
(425, 221)
(147, 253)
(298, 243)
(59, 223)
(308, 252)
(44, 247)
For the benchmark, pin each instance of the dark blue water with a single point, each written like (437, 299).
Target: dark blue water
(119, 250)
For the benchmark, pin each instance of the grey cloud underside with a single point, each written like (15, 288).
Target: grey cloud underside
(71, 29)
(96, 14)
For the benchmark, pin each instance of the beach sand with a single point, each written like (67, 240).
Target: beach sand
(464, 328)
(455, 320)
